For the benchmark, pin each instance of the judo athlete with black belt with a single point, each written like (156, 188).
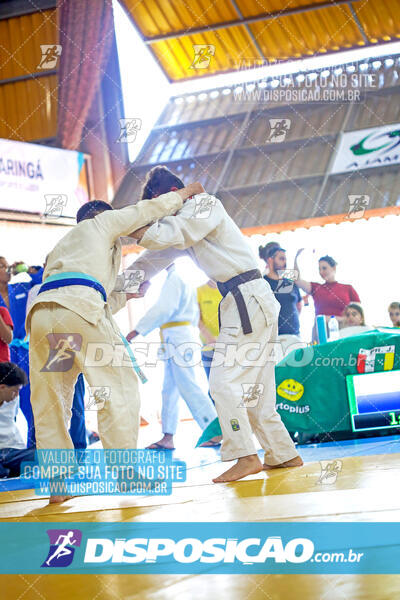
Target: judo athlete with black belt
(248, 315)
(74, 309)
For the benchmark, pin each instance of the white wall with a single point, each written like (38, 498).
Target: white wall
(366, 251)
(29, 242)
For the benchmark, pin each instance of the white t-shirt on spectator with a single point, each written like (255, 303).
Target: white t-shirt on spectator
(10, 436)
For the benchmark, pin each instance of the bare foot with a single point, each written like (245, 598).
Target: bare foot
(215, 441)
(59, 499)
(294, 462)
(247, 465)
(166, 443)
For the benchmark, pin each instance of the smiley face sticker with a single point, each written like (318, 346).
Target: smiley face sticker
(290, 389)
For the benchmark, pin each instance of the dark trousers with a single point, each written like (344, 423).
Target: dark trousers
(77, 429)
(20, 356)
(11, 459)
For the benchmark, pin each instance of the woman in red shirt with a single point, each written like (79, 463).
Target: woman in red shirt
(6, 334)
(330, 298)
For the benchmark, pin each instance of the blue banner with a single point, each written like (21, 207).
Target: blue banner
(191, 548)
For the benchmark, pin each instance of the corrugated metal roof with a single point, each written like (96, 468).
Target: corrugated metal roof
(226, 102)
(225, 143)
(176, 56)
(161, 17)
(21, 38)
(257, 30)
(28, 107)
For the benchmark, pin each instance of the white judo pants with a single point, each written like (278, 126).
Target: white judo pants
(243, 363)
(52, 391)
(180, 380)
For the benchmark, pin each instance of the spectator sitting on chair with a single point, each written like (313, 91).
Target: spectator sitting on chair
(13, 451)
(394, 313)
(353, 321)
(353, 315)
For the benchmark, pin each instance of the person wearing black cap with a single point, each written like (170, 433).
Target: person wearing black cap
(286, 292)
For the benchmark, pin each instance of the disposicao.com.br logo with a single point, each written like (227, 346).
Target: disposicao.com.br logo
(193, 550)
(198, 547)
(188, 550)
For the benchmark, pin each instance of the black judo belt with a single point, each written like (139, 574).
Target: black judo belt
(232, 285)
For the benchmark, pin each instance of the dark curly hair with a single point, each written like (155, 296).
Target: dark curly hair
(160, 180)
(11, 374)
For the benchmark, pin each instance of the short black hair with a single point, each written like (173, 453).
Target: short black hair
(11, 374)
(90, 209)
(331, 261)
(160, 180)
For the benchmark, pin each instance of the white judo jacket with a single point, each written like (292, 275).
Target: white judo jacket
(215, 243)
(93, 247)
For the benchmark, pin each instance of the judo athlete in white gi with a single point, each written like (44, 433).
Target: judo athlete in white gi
(248, 320)
(176, 312)
(79, 314)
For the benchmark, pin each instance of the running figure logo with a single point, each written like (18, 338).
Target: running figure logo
(329, 471)
(62, 547)
(357, 205)
(54, 205)
(286, 280)
(132, 281)
(50, 56)
(204, 203)
(279, 129)
(202, 55)
(252, 393)
(98, 396)
(63, 347)
(129, 129)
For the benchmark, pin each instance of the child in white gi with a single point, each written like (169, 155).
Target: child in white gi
(249, 316)
(177, 314)
(77, 313)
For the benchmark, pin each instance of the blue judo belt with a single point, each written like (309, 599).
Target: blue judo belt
(76, 278)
